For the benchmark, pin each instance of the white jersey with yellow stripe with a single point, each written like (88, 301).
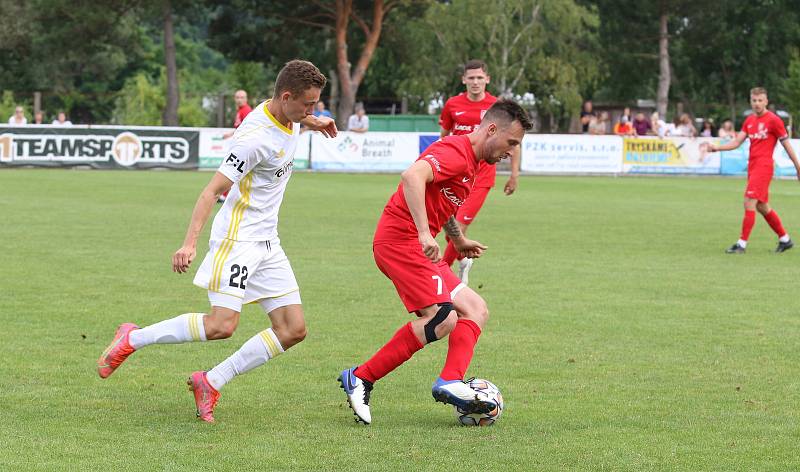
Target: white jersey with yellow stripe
(259, 164)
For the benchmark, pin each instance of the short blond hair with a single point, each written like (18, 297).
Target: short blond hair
(758, 91)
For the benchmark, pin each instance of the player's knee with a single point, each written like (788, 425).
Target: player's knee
(295, 335)
(220, 329)
(448, 325)
(477, 312)
(442, 323)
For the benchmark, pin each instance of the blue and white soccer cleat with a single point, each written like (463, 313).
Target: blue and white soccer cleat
(357, 391)
(459, 394)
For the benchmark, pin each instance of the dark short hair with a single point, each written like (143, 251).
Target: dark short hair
(758, 91)
(298, 76)
(508, 111)
(473, 64)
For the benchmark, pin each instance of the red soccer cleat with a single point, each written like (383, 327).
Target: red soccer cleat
(116, 352)
(205, 396)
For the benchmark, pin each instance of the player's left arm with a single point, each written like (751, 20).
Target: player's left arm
(516, 158)
(792, 155)
(323, 124)
(466, 247)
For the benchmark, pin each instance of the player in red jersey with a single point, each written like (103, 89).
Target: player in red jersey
(764, 129)
(461, 115)
(430, 192)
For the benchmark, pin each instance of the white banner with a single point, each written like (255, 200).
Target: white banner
(561, 153)
(370, 152)
(214, 147)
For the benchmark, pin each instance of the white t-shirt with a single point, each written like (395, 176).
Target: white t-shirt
(12, 121)
(58, 123)
(354, 122)
(260, 164)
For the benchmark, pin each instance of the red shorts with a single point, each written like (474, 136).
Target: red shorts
(419, 282)
(469, 210)
(758, 186)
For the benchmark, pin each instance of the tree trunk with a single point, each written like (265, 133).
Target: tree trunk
(334, 101)
(349, 81)
(170, 117)
(662, 99)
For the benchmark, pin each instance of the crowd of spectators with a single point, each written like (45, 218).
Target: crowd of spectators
(593, 122)
(19, 118)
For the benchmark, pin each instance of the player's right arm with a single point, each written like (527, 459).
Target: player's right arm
(414, 180)
(730, 145)
(184, 256)
(445, 121)
(465, 247)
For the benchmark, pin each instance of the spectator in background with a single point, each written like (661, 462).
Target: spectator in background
(359, 121)
(599, 125)
(642, 125)
(684, 127)
(707, 129)
(623, 127)
(61, 120)
(321, 111)
(587, 115)
(18, 118)
(727, 131)
(661, 127)
(38, 118)
(242, 110)
(626, 112)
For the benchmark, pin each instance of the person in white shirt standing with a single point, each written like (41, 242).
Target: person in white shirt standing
(61, 120)
(18, 118)
(359, 121)
(245, 262)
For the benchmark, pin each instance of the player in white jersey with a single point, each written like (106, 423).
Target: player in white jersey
(245, 262)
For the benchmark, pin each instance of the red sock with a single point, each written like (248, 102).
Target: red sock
(747, 224)
(450, 254)
(399, 349)
(460, 346)
(775, 223)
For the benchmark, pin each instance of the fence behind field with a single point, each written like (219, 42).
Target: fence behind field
(204, 148)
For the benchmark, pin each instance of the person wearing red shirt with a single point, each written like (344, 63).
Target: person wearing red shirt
(405, 250)
(243, 109)
(764, 129)
(461, 115)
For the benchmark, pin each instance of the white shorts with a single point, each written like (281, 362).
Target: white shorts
(240, 272)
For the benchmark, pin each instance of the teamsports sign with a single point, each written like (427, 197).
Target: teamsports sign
(106, 147)
(669, 156)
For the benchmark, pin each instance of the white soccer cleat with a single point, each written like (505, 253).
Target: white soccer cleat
(464, 265)
(460, 394)
(357, 391)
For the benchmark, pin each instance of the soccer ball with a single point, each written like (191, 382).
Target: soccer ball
(491, 391)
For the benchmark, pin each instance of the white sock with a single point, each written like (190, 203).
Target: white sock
(256, 351)
(742, 243)
(785, 238)
(181, 329)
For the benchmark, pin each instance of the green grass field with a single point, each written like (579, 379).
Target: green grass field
(621, 335)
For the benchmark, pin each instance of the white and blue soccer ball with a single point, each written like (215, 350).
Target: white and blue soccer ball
(490, 391)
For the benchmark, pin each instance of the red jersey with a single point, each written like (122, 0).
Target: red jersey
(764, 132)
(454, 167)
(244, 110)
(461, 115)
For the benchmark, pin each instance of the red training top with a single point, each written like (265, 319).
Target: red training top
(461, 115)
(764, 132)
(244, 110)
(454, 167)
